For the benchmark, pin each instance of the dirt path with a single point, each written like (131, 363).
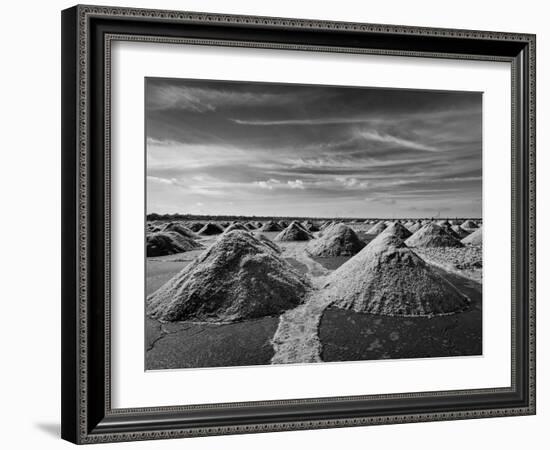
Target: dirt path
(297, 337)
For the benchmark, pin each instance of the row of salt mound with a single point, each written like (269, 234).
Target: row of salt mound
(338, 240)
(388, 278)
(162, 243)
(239, 277)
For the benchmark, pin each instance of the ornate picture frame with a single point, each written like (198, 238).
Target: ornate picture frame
(87, 35)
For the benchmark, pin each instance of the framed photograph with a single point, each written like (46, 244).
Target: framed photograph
(279, 224)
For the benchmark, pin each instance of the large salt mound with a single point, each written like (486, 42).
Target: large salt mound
(398, 230)
(378, 228)
(476, 238)
(237, 278)
(270, 226)
(293, 232)
(210, 228)
(164, 243)
(388, 278)
(339, 240)
(180, 229)
(432, 235)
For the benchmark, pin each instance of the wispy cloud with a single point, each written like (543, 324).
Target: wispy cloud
(223, 147)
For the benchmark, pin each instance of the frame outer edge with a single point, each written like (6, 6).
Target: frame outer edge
(75, 210)
(69, 263)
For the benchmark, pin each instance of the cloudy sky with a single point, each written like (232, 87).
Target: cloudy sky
(219, 147)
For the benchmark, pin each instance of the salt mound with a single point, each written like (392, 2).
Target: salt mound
(180, 229)
(415, 227)
(396, 229)
(432, 235)
(196, 226)
(283, 224)
(237, 278)
(294, 232)
(339, 240)
(476, 238)
(250, 226)
(378, 228)
(311, 227)
(270, 226)
(460, 232)
(235, 226)
(449, 229)
(444, 223)
(164, 243)
(388, 278)
(469, 225)
(210, 228)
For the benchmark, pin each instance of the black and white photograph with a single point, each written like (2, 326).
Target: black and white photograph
(307, 223)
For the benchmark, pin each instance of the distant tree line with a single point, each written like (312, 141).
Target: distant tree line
(228, 218)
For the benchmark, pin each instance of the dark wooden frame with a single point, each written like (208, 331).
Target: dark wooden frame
(87, 32)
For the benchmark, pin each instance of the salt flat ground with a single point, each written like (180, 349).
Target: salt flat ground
(315, 331)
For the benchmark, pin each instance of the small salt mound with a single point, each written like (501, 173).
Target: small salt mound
(270, 227)
(443, 223)
(311, 227)
(460, 232)
(235, 226)
(210, 228)
(339, 240)
(398, 230)
(283, 224)
(294, 232)
(164, 243)
(237, 278)
(449, 229)
(180, 229)
(378, 228)
(388, 278)
(415, 227)
(250, 226)
(476, 238)
(469, 225)
(196, 226)
(432, 235)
